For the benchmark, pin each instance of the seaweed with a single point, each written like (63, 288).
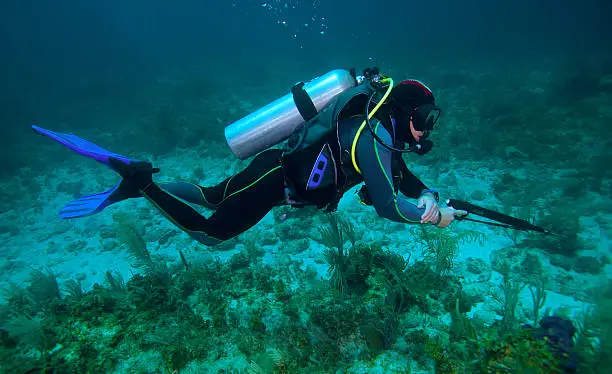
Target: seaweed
(440, 246)
(509, 299)
(73, 289)
(43, 287)
(538, 295)
(130, 236)
(332, 236)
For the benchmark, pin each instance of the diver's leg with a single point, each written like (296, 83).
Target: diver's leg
(189, 192)
(211, 197)
(248, 197)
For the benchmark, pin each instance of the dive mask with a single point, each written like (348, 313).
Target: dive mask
(424, 117)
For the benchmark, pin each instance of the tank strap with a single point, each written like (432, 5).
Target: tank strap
(303, 102)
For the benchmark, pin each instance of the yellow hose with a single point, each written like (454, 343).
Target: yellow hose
(388, 81)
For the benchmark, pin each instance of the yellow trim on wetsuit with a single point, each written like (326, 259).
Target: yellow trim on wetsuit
(252, 184)
(197, 187)
(249, 186)
(203, 196)
(395, 204)
(388, 81)
(226, 187)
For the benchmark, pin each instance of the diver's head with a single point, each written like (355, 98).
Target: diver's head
(414, 109)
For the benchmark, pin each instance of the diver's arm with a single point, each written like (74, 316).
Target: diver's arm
(375, 163)
(410, 185)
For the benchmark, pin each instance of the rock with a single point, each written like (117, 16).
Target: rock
(531, 265)
(476, 265)
(588, 264)
(561, 261)
(109, 245)
(478, 195)
(107, 232)
(75, 246)
(485, 317)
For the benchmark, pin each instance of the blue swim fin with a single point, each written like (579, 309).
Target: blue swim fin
(83, 147)
(91, 204)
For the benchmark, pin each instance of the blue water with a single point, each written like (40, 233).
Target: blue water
(525, 89)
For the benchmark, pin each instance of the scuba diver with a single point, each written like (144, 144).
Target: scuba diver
(339, 130)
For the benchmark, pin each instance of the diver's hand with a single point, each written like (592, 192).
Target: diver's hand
(432, 211)
(448, 214)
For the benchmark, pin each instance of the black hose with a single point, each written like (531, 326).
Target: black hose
(378, 139)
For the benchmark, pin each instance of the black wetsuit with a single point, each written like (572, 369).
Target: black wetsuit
(245, 198)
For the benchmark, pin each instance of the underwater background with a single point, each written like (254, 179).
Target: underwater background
(526, 93)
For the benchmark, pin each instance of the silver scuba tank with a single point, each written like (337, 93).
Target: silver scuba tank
(276, 121)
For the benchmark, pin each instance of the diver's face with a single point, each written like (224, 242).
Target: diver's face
(416, 134)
